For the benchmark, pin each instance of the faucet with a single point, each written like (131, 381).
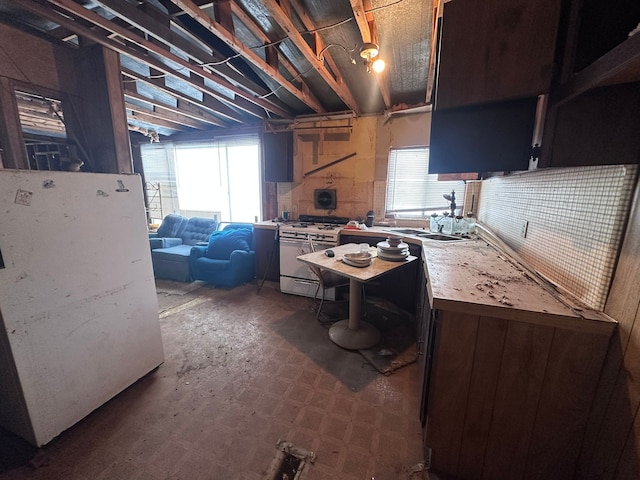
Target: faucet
(452, 198)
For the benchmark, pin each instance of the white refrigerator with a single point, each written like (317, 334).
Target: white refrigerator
(78, 307)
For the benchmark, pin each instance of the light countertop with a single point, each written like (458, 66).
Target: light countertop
(473, 276)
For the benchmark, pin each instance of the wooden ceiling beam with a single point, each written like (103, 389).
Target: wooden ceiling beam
(80, 11)
(217, 29)
(143, 21)
(248, 22)
(213, 97)
(294, 35)
(309, 24)
(214, 109)
(134, 112)
(367, 26)
(183, 109)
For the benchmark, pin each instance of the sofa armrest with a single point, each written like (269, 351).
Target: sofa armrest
(163, 242)
(171, 242)
(155, 243)
(242, 257)
(198, 251)
(153, 234)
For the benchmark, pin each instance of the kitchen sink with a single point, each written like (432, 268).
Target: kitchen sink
(443, 237)
(407, 231)
(439, 236)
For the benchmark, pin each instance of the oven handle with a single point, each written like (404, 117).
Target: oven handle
(293, 241)
(300, 241)
(306, 282)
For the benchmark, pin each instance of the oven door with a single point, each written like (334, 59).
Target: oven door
(296, 277)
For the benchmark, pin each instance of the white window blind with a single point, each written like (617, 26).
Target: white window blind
(411, 191)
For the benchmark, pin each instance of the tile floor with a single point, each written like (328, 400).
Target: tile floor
(242, 370)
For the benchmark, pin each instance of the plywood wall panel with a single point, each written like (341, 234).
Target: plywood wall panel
(484, 378)
(570, 381)
(524, 361)
(449, 389)
(612, 436)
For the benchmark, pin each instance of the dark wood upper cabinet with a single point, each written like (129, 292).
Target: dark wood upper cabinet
(278, 156)
(489, 137)
(594, 109)
(494, 50)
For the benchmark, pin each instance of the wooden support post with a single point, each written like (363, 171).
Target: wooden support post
(14, 154)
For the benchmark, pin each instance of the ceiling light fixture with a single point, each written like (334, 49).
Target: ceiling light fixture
(369, 52)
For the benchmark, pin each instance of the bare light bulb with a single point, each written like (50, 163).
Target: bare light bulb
(378, 65)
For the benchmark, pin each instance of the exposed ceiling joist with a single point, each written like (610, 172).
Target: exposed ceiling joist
(263, 37)
(212, 97)
(145, 22)
(312, 57)
(154, 118)
(217, 29)
(214, 109)
(309, 24)
(217, 63)
(367, 26)
(184, 110)
(75, 9)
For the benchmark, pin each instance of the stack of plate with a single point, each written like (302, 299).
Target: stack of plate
(392, 250)
(360, 259)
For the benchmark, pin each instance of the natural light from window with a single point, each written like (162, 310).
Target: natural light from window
(411, 191)
(219, 178)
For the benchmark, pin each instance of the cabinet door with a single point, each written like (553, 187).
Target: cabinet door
(278, 157)
(495, 49)
(600, 127)
(492, 137)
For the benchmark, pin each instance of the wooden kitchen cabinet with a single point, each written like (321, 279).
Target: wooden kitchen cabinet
(510, 372)
(495, 58)
(494, 50)
(278, 156)
(593, 116)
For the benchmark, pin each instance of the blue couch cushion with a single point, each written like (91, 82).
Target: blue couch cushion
(221, 244)
(198, 230)
(179, 253)
(171, 225)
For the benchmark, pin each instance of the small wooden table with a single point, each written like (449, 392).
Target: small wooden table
(351, 333)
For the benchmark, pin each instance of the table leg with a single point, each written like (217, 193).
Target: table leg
(352, 333)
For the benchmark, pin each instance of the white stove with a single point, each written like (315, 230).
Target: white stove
(318, 232)
(296, 277)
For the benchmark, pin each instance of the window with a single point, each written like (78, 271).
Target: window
(411, 191)
(214, 179)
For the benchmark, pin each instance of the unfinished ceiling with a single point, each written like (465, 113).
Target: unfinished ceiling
(193, 65)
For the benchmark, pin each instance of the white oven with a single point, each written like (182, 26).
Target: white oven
(296, 277)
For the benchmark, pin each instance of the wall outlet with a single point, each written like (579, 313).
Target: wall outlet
(525, 227)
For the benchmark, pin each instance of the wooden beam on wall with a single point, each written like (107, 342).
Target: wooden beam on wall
(14, 154)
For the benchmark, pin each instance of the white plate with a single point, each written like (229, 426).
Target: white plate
(398, 253)
(388, 248)
(356, 264)
(392, 258)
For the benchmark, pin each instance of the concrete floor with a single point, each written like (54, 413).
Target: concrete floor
(242, 370)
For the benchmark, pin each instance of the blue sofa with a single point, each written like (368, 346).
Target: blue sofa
(228, 259)
(168, 231)
(172, 261)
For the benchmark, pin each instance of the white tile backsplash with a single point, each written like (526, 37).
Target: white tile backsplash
(575, 222)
